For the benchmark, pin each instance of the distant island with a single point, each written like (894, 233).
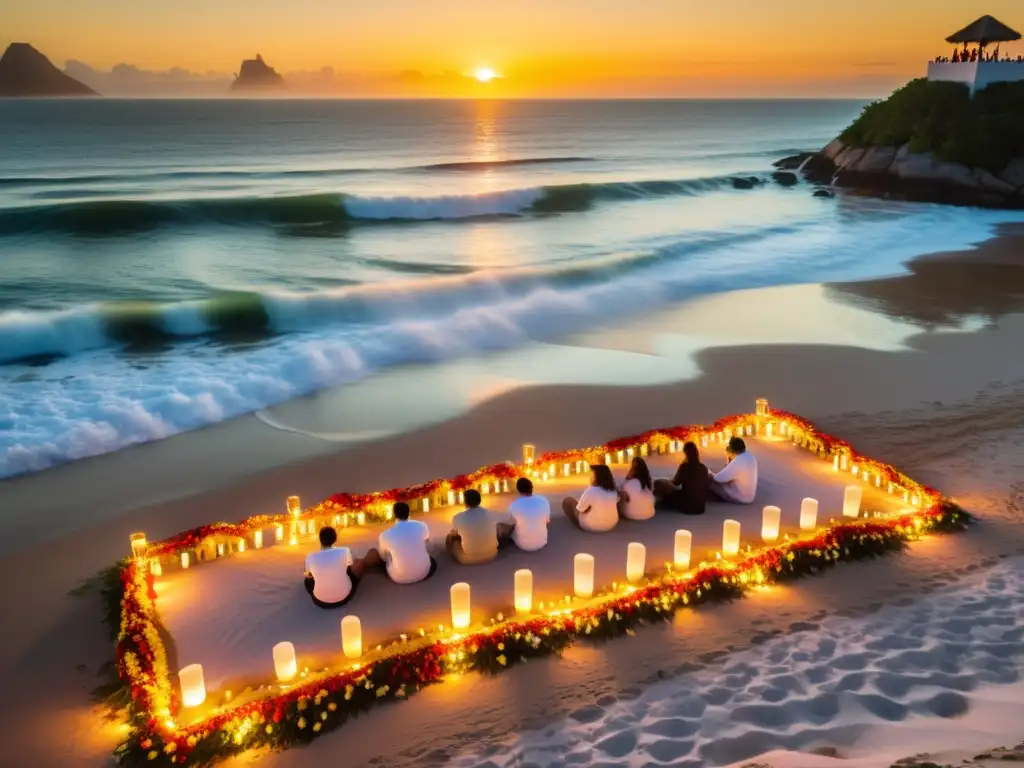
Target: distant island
(25, 72)
(256, 75)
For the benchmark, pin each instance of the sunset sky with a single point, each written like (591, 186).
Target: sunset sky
(543, 48)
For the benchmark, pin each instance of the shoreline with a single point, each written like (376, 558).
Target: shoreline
(945, 409)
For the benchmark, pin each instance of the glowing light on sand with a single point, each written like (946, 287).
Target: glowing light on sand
(636, 559)
(184, 560)
(451, 498)
(524, 590)
(352, 637)
(426, 505)
(730, 538)
(852, 495)
(279, 533)
(583, 575)
(768, 429)
(361, 518)
(257, 539)
(139, 545)
(808, 514)
(683, 544)
(460, 605)
(771, 520)
(241, 545)
(285, 665)
(294, 506)
(193, 686)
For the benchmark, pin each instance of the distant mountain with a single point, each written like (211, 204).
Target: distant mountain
(24, 71)
(255, 75)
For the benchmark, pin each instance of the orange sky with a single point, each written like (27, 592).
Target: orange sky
(540, 47)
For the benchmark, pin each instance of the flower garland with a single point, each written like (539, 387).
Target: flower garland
(302, 712)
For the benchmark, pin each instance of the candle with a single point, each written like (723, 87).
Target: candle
(451, 498)
(184, 559)
(294, 506)
(460, 605)
(730, 538)
(583, 575)
(761, 406)
(565, 470)
(851, 501)
(257, 539)
(352, 637)
(193, 687)
(284, 661)
(524, 590)
(155, 568)
(528, 454)
(768, 430)
(683, 543)
(426, 505)
(770, 522)
(139, 545)
(808, 514)
(241, 545)
(279, 533)
(361, 518)
(636, 556)
(220, 550)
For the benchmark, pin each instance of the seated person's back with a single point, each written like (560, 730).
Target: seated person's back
(403, 547)
(638, 492)
(474, 537)
(329, 569)
(737, 482)
(599, 509)
(531, 515)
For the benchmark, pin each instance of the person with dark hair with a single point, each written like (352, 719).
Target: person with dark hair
(531, 515)
(332, 575)
(403, 549)
(477, 532)
(597, 510)
(687, 491)
(737, 483)
(636, 497)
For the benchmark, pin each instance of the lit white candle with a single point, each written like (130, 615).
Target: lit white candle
(241, 545)
(636, 559)
(808, 514)
(768, 429)
(524, 590)
(257, 539)
(852, 495)
(285, 665)
(771, 521)
(683, 544)
(565, 469)
(184, 559)
(279, 533)
(835, 463)
(583, 575)
(730, 538)
(352, 637)
(294, 506)
(451, 498)
(361, 518)
(220, 550)
(460, 605)
(193, 686)
(139, 545)
(155, 568)
(426, 505)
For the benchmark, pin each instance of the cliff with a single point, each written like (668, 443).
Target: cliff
(24, 71)
(931, 142)
(256, 74)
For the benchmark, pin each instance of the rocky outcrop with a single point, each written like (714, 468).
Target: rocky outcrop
(898, 172)
(24, 72)
(786, 178)
(257, 75)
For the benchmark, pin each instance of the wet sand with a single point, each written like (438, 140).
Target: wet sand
(942, 404)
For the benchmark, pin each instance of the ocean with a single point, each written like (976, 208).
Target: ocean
(167, 265)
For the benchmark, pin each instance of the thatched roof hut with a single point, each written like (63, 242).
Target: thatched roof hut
(984, 31)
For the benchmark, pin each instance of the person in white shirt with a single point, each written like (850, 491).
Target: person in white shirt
(636, 496)
(403, 549)
(737, 483)
(597, 510)
(332, 574)
(531, 515)
(477, 533)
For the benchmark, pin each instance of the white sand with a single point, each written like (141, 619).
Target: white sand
(932, 674)
(227, 615)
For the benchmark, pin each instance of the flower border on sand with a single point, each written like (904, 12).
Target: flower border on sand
(322, 701)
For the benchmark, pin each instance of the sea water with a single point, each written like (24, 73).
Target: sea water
(170, 264)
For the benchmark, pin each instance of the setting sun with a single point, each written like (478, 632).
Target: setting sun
(485, 74)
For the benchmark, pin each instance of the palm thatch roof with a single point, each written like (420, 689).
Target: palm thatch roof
(984, 31)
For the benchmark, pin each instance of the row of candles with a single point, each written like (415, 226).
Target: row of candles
(193, 688)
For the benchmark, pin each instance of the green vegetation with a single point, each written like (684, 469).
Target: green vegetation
(986, 131)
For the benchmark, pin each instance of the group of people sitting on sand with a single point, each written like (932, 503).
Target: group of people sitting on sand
(477, 533)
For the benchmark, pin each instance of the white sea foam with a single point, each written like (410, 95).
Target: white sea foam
(928, 676)
(508, 202)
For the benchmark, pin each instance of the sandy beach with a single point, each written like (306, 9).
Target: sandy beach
(922, 370)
